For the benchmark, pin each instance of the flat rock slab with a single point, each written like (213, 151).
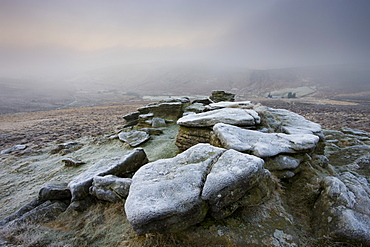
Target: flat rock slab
(119, 166)
(165, 194)
(234, 116)
(224, 104)
(293, 123)
(134, 138)
(263, 144)
(231, 177)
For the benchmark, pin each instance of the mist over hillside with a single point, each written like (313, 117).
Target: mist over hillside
(116, 84)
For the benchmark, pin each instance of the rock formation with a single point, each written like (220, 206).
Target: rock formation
(171, 195)
(245, 175)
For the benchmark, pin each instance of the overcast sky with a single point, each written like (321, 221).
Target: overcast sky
(66, 35)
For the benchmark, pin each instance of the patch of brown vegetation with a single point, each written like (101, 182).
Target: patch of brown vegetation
(331, 116)
(39, 128)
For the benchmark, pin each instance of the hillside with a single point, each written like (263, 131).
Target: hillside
(133, 82)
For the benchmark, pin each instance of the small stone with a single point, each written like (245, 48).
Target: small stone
(14, 148)
(69, 162)
(134, 138)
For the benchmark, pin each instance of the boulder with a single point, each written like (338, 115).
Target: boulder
(58, 191)
(219, 95)
(158, 122)
(263, 144)
(119, 166)
(342, 210)
(231, 179)
(173, 194)
(165, 194)
(110, 188)
(134, 138)
(234, 116)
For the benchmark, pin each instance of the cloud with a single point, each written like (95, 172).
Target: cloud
(247, 33)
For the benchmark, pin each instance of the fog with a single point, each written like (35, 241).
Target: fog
(63, 38)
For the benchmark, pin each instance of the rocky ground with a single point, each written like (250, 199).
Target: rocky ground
(104, 224)
(36, 129)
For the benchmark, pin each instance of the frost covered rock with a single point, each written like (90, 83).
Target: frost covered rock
(110, 188)
(289, 122)
(13, 149)
(234, 116)
(230, 180)
(263, 144)
(342, 211)
(165, 194)
(158, 122)
(173, 194)
(134, 138)
(225, 104)
(119, 166)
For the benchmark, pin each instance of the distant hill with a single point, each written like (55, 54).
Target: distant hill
(131, 82)
(195, 78)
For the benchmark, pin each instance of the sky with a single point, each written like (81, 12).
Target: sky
(40, 37)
